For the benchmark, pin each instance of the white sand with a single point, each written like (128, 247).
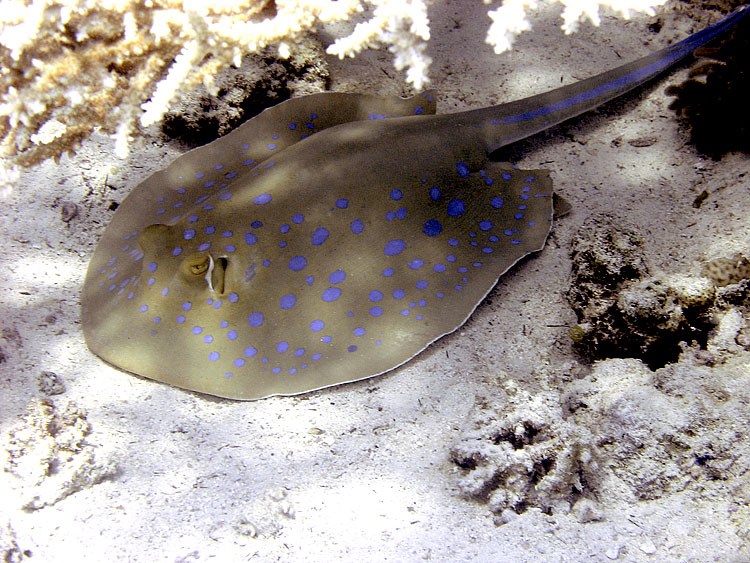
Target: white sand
(363, 472)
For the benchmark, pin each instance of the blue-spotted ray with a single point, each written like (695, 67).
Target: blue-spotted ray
(329, 239)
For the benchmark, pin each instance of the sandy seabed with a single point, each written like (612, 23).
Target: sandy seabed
(603, 462)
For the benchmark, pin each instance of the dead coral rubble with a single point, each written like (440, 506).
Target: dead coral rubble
(48, 453)
(623, 312)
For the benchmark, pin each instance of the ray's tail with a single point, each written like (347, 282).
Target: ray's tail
(507, 123)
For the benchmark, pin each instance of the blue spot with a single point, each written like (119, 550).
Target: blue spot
(486, 225)
(208, 339)
(292, 126)
(463, 270)
(396, 194)
(422, 284)
(394, 247)
(317, 325)
(262, 199)
(255, 319)
(256, 224)
(152, 266)
(331, 294)
(462, 169)
(418, 110)
(275, 370)
(192, 219)
(239, 362)
(487, 250)
(376, 296)
(282, 244)
(320, 236)
(326, 339)
(233, 297)
(288, 301)
(405, 312)
(440, 295)
(309, 280)
(225, 196)
(232, 335)
(422, 303)
(250, 351)
(224, 324)
(401, 213)
(208, 185)
(337, 277)
(284, 229)
(180, 319)
(230, 248)
(187, 305)
(317, 356)
(297, 263)
(297, 218)
(489, 181)
(144, 308)
(188, 234)
(357, 226)
(376, 311)
(271, 146)
(164, 292)
(226, 234)
(197, 330)
(204, 246)
(477, 264)
(450, 258)
(390, 216)
(506, 176)
(456, 207)
(157, 320)
(399, 294)
(518, 215)
(299, 352)
(282, 347)
(432, 228)
(434, 193)
(532, 223)
(151, 281)
(439, 268)
(416, 264)
(359, 331)
(213, 356)
(497, 202)
(250, 238)
(342, 203)
(351, 349)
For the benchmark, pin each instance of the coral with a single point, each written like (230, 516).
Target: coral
(510, 19)
(621, 433)
(713, 100)
(727, 271)
(68, 67)
(519, 453)
(49, 454)
(622, 311)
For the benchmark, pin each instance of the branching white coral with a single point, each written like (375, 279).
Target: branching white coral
(68, 67)
(510, 19)
(400, 25)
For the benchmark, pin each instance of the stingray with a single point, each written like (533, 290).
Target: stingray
(329, 239)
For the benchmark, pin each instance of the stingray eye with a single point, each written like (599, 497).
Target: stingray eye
(195, 266)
